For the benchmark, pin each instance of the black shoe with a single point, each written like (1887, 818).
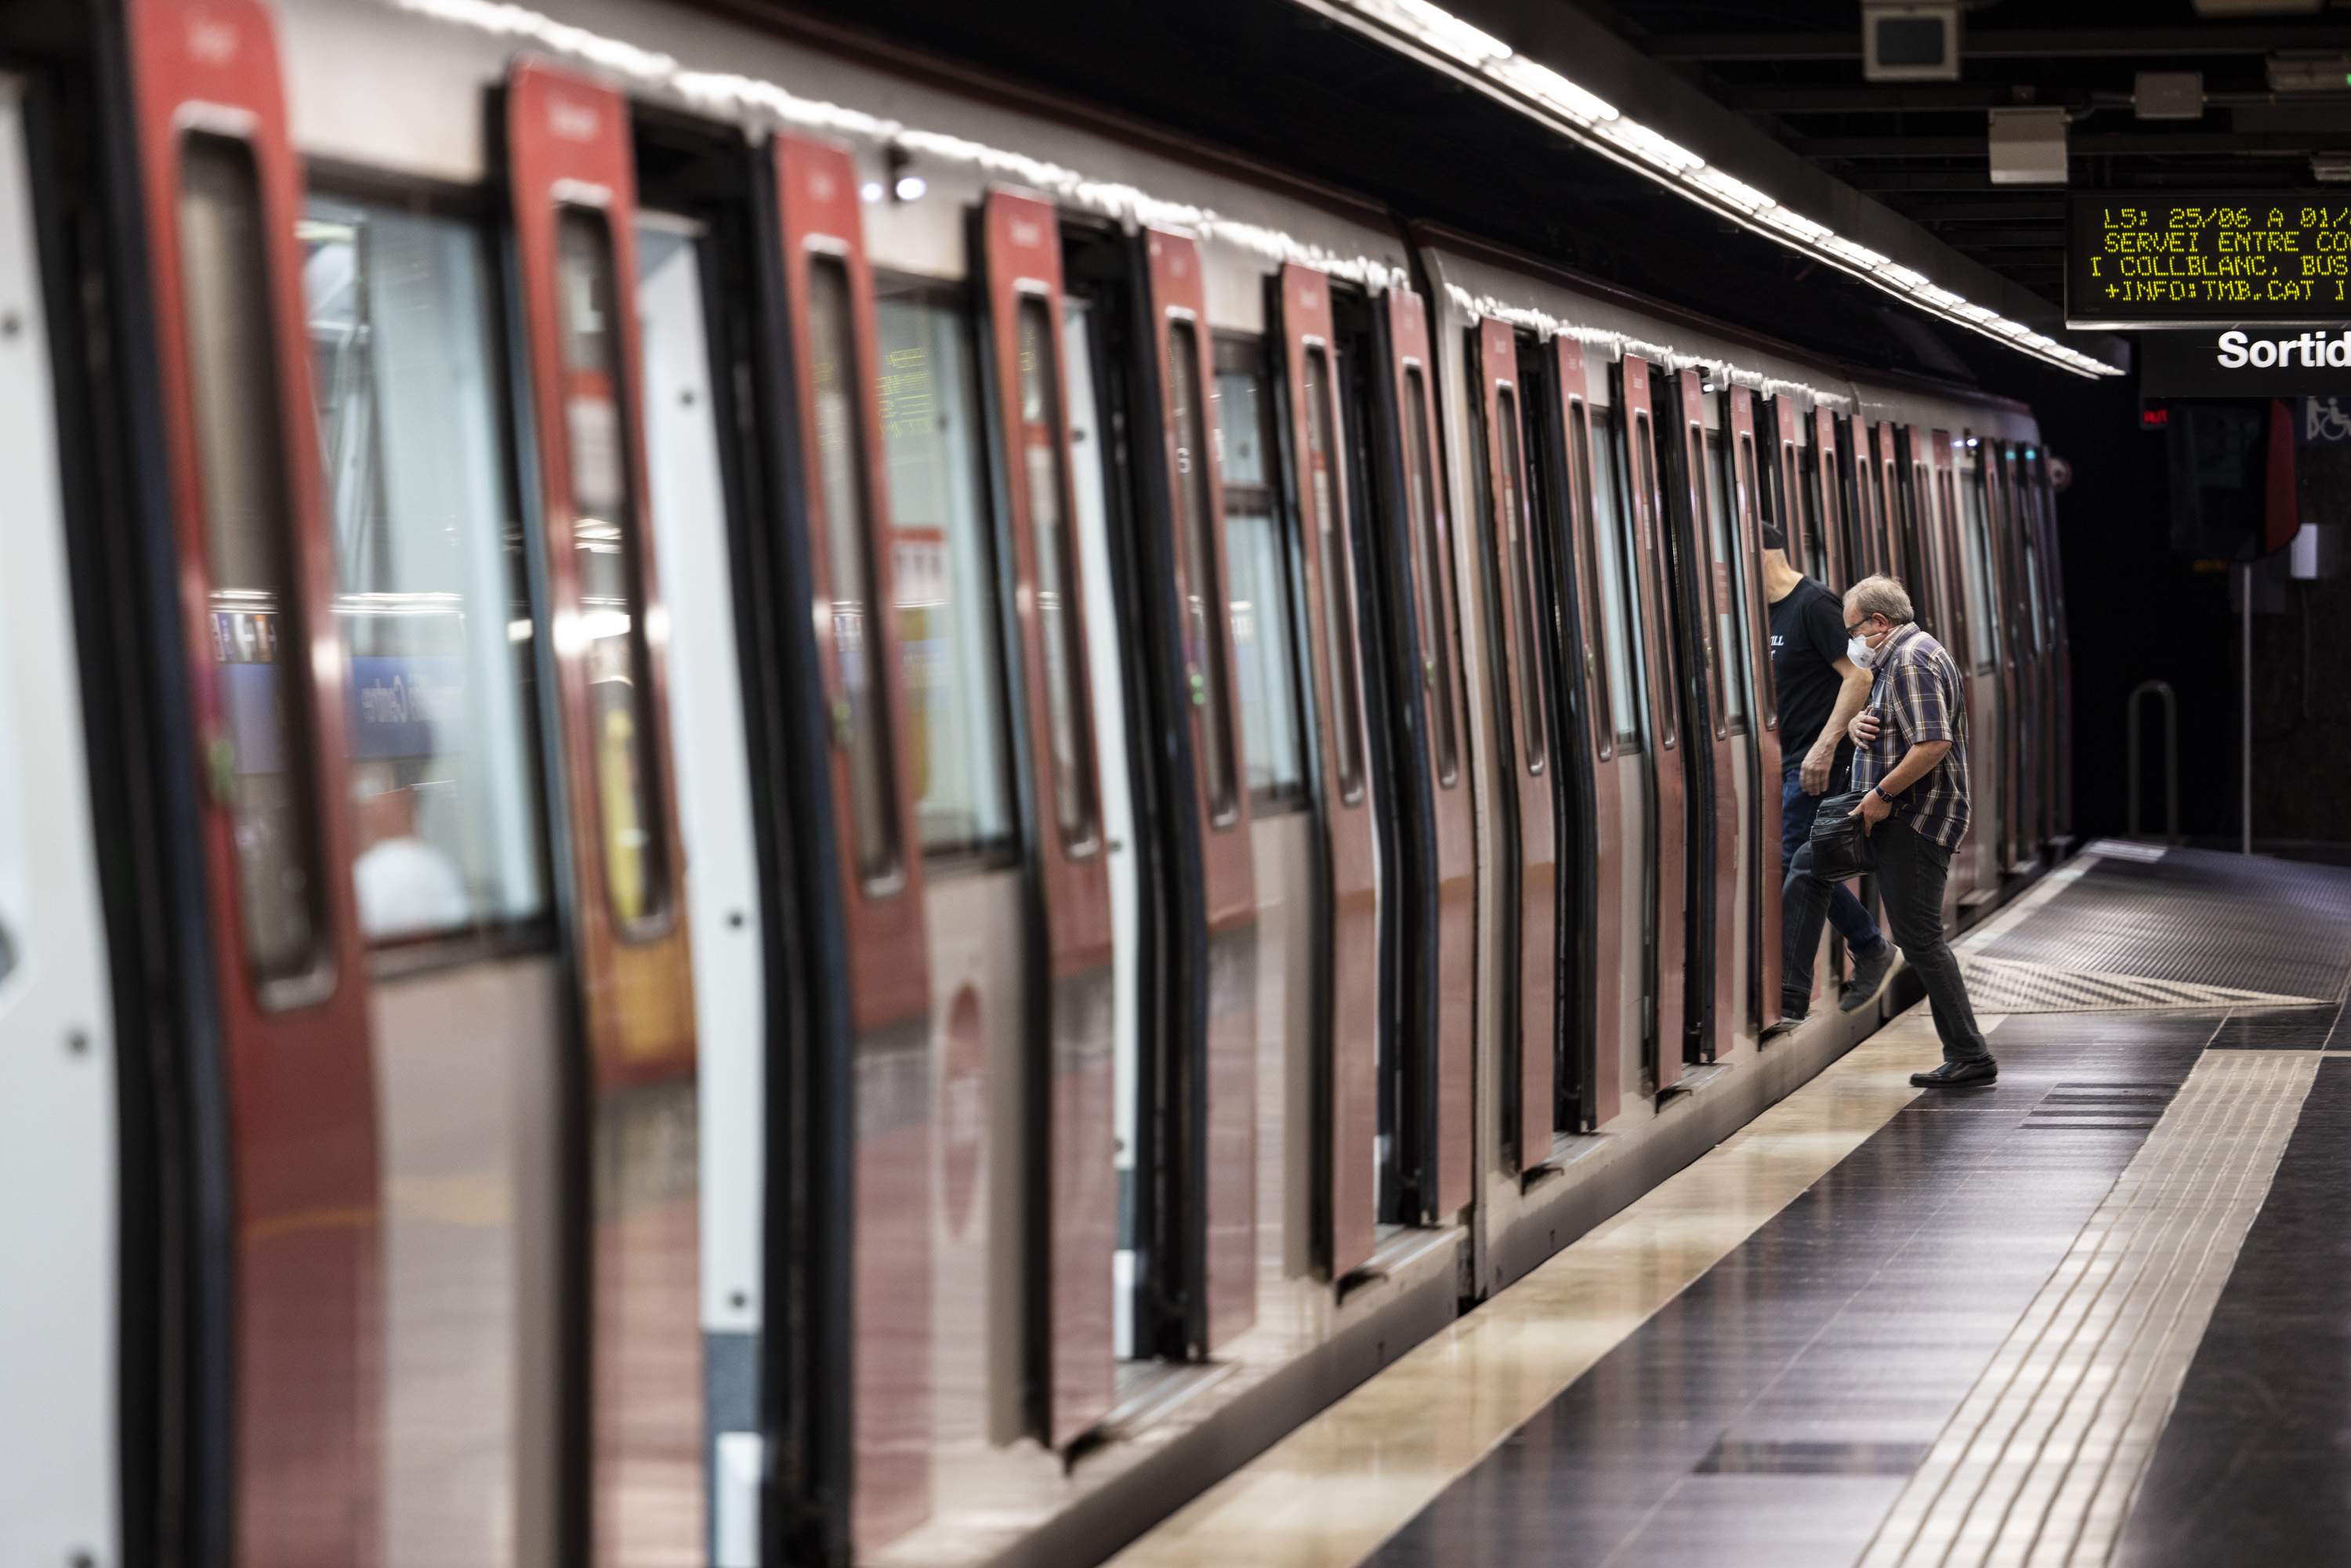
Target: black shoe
(1952, 1074)
(1789, 1024)
(1868, 974)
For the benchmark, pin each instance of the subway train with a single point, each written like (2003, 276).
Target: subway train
(764, 804)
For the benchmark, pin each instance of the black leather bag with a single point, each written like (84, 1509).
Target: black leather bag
(1840, 840)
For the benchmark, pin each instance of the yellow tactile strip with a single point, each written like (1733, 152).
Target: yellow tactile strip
(2039, 1462)
(1330, 1492)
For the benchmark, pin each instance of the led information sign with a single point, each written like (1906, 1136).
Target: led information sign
(2160, 259)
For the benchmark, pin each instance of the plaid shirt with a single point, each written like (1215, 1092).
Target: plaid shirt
(1917, 695)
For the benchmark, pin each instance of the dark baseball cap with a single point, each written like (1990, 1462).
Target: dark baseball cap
(1774, 536)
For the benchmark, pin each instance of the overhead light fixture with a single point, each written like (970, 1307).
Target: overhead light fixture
(2028, 146)
(2309, 70)
(2168, 94)
(1910, 41)
(1541, 93)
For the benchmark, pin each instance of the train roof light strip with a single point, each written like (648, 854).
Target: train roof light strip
(1543, 94)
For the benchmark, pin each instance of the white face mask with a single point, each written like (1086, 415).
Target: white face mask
(1861, 654)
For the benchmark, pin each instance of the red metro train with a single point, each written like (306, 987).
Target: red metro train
(760, 807)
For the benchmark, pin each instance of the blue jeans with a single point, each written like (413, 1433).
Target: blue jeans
(1802, 909)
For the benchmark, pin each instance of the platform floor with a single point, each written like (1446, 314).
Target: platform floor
(2099, 1313)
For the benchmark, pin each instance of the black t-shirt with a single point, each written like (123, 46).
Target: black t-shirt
(1807, 639)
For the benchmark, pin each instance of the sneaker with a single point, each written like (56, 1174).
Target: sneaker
(1869, 972)
(1952, 1074)
(1789, 1024)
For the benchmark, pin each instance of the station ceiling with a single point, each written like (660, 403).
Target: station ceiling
(1793, 70)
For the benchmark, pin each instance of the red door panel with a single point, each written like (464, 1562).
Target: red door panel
(1763, 820)
(221, 194)
(1352, 1041)
(1525, 706)
(1603, 1089)
(1712, 607)
(1179, 327)
(1831, 499)
(829, 294)
(1022, 237)
(1438, 603)
(573, 179)
(1668, 788)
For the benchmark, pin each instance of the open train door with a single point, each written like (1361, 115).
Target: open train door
(1763, 721)
(286, 1285)
(1347, 1047)
(573, 182)
(1667, 859)
(1597, 934)
(1215, 933)
(1071, 1133)
(1437, 889)
(1531, 979)
(837, 508)
(1703, 584)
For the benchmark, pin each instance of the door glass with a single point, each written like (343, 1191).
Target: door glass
(1339, 642)
(1644, 466)
(1594, 484)
(429, 575)
(1747, 585)
(260, 766)
(946, 575)
(1430, 576)
(861, 725)
(1730, 626)
(1203, 600)
(605, 535)
(1519, 547)
(1265, 640)
(1981, 583)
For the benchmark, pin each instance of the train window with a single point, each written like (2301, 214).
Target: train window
(1982, 585)
(1204, 629)
(946, 576)
(1599, 530)
(261, 765)
(1265, 644)
(1730, 626)
(1518, 541)
(1644, 476)
(429, 577)
(1428, 538)
(1069, 720)
(2032, 588)
(861, 722)
(1766, 698)
(1620, 615)
(1338, 603)
(605, 535)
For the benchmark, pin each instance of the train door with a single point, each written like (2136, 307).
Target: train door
(1530, 863)
(1188, 572)
(572, 177)
(59, 1247)
(1748, 471)
(1702, 580)
(1076, 1017)
(1974, 591)
(1348, 1014)
(1668, 851)
(1584, 556)
(1427, 717)
(2059, 724)
(285, 1400)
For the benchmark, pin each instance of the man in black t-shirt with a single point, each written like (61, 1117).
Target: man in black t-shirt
(1819, 689)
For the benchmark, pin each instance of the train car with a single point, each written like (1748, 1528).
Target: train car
(760, 804)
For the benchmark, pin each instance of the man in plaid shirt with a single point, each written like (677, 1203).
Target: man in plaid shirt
(1911, 756)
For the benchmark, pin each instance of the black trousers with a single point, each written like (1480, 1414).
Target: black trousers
(1911, 873)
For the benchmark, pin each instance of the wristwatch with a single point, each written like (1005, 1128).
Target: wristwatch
(1879, 790)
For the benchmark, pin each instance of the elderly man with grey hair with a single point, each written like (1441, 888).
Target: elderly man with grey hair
(1911, 756)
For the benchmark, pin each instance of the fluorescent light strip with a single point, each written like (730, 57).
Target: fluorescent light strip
(1542, 93)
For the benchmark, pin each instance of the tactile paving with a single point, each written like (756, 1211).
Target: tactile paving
(2040, 1463)
(2193, 918)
